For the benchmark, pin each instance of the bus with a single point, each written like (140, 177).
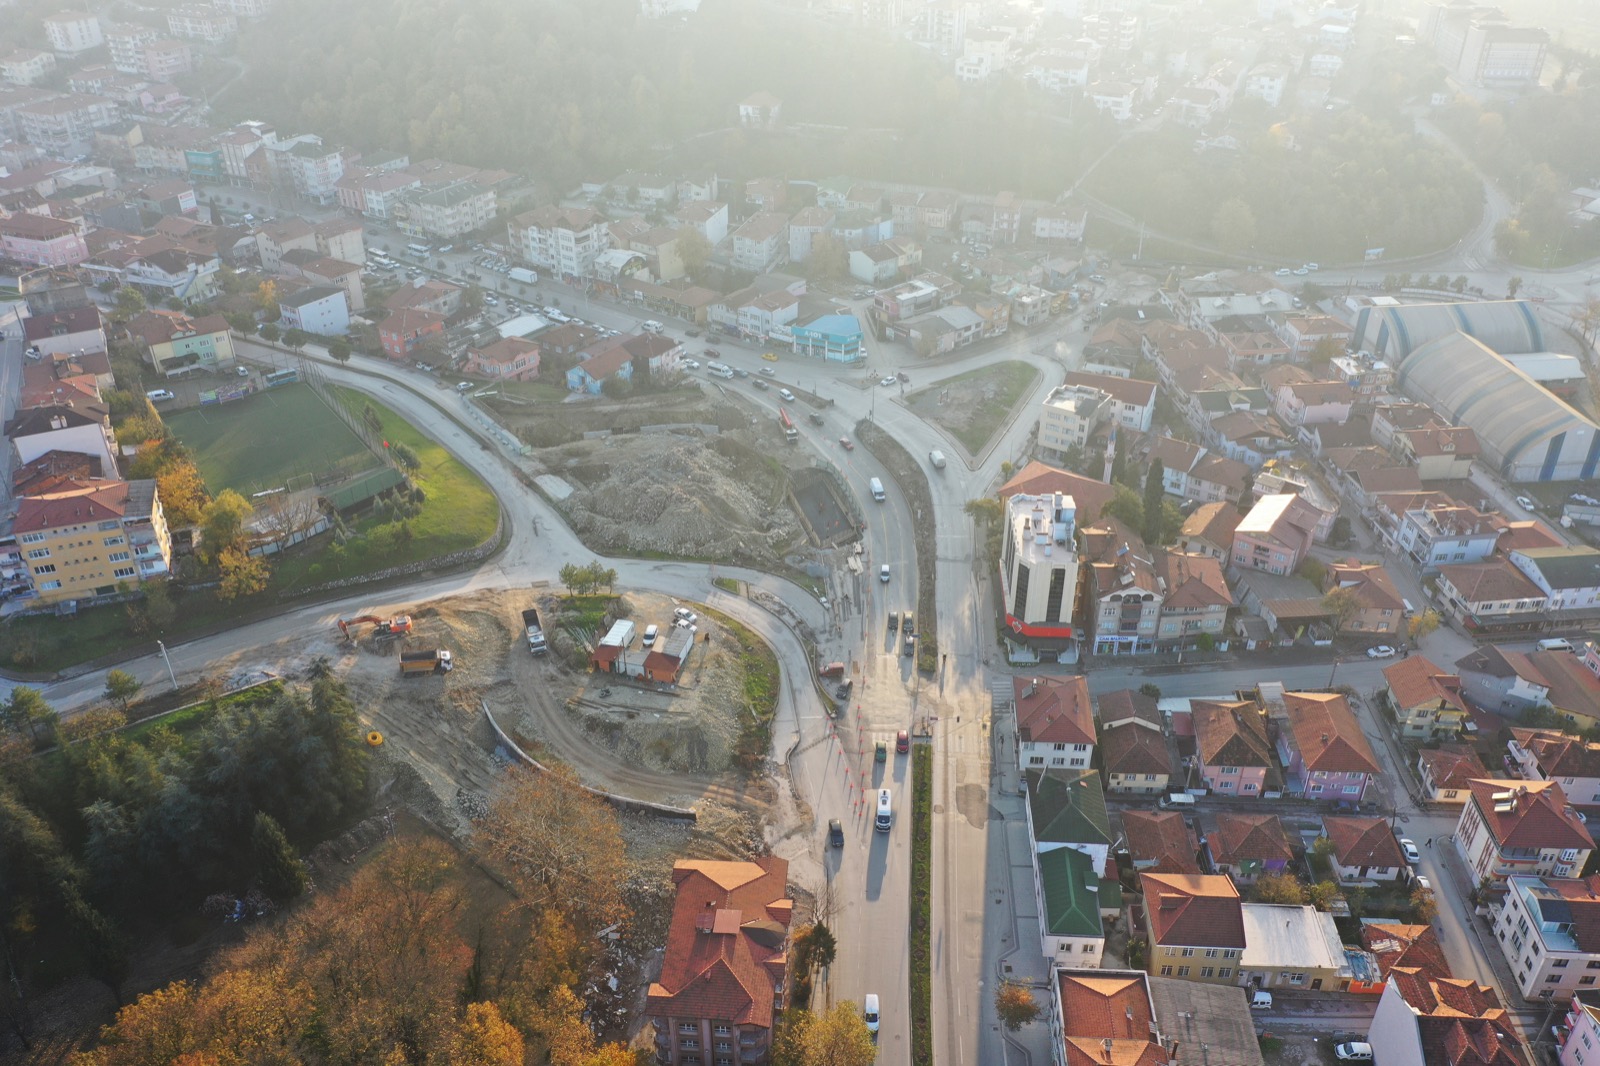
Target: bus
(282, 377)
(791, 433)
(418, 249)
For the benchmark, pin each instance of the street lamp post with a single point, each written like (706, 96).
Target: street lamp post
(168, 660)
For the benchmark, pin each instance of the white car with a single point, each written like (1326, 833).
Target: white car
(886, 382)
(870, 1014)
(160, 394)
(1353, 1051)
(692, 364)
(1409, 846)
(1381, 651)
(1423, 883)
(883, 573)
(1526, 504)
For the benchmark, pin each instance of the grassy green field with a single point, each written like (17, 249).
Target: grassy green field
(974, 415)
(261, 442)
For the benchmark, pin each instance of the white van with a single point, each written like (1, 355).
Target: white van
(936, 457)
(877, 489)
(653, 326)
(885, 817)
(1555, 644)
(160, 394)
(787, 395)
(1177, 801)
(1261, 1000)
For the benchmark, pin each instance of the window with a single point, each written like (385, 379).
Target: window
(1230, 953)
(118, 557)
(1207, 971)
(1225, 973)
(106, 527)
(690, 1045)
(1037, 760)
(1149, 777)
(123, 571)
(48, 585)
(723, 1045)
(1553, 979)
(1058, 747)
(1250, 786)
(1183, 971)
(39, 553)
(112, 542)
(1229, 771)
(46, 568)
(1090, 949)
(1058, 761)
(1295, 978)
(1559, 964)
(1166, 971)
(32, 538)
(1352, 789)
(1080, 747)
(688, 1027)
(722, 1030)
(1589, 980)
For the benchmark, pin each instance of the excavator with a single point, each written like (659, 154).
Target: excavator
(384, 627)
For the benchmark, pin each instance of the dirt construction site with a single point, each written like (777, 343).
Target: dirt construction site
(641, 741)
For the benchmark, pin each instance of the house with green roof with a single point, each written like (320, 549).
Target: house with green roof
(1067, 809)
(1073, 900)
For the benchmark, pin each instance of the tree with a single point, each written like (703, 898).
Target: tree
(1155, 496)
(1424, 907)
(339, 350)
(1587, 319)
(1342, 605)
(1422, 624)
(840, 1038)
(1326, 349)
(1322, 894)
(296, 338)
(266, 297)
(694, 250)
(829, 258)
(1151, 689)
(182, 491)
(129, 302)
(241, 574)
(1233, 226)
(270, 333)
(559, 842)
(121, 687)
(1312, 570)
(405, 455)
(278, 869)
(26, 713)
(984, 509)
(484, 1038)
(1460, 283)
(222, 523)
(1279, 888)
(1126, 507)
(815, 948)
(1512, 287)
(1015, 1005)
(1339, 534)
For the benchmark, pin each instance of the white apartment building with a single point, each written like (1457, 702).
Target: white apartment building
(126, 41)
(71, 32)
(1039, 568)
(201, 23)
(1069, 416)
(1549, 931)
(563, 241)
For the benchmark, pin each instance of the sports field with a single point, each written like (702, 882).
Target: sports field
(262, 442)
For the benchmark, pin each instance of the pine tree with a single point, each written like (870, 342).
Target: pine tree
(280, 871)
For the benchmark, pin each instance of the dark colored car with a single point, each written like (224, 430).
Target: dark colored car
(835, 833)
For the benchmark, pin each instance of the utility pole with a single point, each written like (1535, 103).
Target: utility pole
(168, 660)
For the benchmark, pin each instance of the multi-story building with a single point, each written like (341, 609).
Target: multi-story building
(1232, 748)
(1578, 1034)
(1136, 758)
(1209, 530)
(1425, 1019)
(1054, 721)
(1195, 599)
(403, 331)
(78, 329)
(1323, 748)
(41, 240)
(245, 9)
(1133, 402)
(74, 425)
(174, 343)
(1437, 532)
(1427, 702)
(1071, 897)
(92, 539)
(1194, 925)
(375, 193)
(1067, 809)
(201, 23)
(722, 982)
(508, 359)
(1547, 755)
(1521, 827)
(313, 169)
(126, 41)
(1104, 1016)
(1039, 569)
(563, 241)
(71, 32)
(1124, 593)
(1549, 932)
(1491, 596)
(320, 309)
(166, 59)
(65, 125)
(831, 338)
(447, 212)
(1160, 842)
(1479, 45)
(1276, 535)
(1069, 415)
(760, 244)
(1379, 607)
(26, 66)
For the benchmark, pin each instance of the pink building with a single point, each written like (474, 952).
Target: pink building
(1232, 747)
(1324, 752)
(511, 359)
(1276, 535)
(42, 240)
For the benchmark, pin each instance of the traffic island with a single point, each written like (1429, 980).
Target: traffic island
(922, 905)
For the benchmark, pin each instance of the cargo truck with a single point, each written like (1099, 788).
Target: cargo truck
(523, 275)
(417, 663)
(536, 641)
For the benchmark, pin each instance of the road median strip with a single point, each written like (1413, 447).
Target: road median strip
(922, 905)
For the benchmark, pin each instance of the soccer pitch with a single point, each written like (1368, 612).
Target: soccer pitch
(262, 442)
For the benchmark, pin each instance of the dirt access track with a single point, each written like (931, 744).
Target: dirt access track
(436, 724)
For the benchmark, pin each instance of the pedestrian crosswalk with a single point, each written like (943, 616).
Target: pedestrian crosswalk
(999, 693)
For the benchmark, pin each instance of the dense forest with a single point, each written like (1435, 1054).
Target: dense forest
(1328, 187)
(565, 91)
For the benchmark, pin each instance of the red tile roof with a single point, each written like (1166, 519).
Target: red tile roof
(1558, 755)
(77, 502)
(1134, 749)
(1230, 734)
(1452, 768)
(1446, 997)
(1160, 841)
(1193, 910)
(1373, 586)
(727, 944)
(1053, 710)
(1123, 390)
(1214, 522)
(1417, 682)
(1490, 581)
(1414, 946)
(1104, 1007)
(1363, 842)
(1240, 837)
(1537, 816)
(1037, 479)
(506, 350)
(1470, 1042)
(1327, 733)
(1193, 580)
(1128, 705)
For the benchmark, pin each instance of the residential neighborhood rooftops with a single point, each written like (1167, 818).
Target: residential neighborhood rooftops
(1231, 734)
(1194, 910)
(1039, 479)
(1363, 842)
(1328, 734)
(1160, 841)
(1209, 1023)
(1131, 748)
(1053, 710)
(90, 501)
(1536, 815)
(1072, 897)
(1214, 522)
(1128, 705)
(1241, 838)
(1107, 1018)
(1397, 944)
(1415, 681)
(1281, 936)
(1068, 807)
(1493, 581)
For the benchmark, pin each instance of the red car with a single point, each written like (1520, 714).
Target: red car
(902, 742)
(846, 444)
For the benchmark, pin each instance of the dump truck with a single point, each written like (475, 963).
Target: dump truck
(417, 663)
(536, 642)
